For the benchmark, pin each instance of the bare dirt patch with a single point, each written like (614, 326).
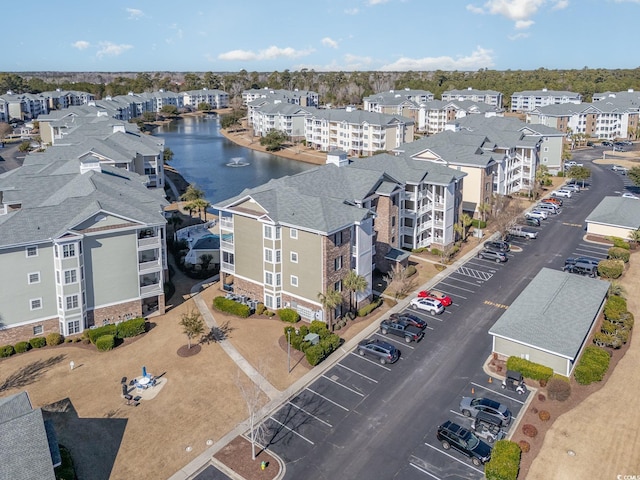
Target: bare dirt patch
(237, 455)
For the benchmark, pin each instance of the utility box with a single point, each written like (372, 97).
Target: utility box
(312, 338)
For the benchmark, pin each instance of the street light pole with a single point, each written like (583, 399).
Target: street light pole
(288, 351)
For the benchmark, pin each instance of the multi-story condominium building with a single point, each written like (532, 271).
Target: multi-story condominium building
(304, 98)
(66, 98)
(24, 106)
(490, 97)
(4, 110)
(87, 132)
(530, 99)
(356, 132)
(291, 239)
(629, 96)
(81, 244)
(406, 103)
(266, 115)
(216, 99)
(434, 116)
(609, 118)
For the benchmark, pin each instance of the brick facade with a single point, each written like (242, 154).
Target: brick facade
(116, 313)
(337, 246)
(11, 336)
(387, 231)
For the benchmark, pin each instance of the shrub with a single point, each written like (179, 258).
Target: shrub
(529, 369)
(478, 223)
(505, 461)
(131, 328)
(22, 347)
(524, 446)
(38, 342)
(232, 307)
(319, 327)
(314, 354)
(541, 397)
(559, 174)
(260, 308)
(611, 340)
(618, 253)
(288, 315)
(619, 242)
(614, 307)
(610, 268)
(529, 430)
(338, 326)
(54, 339)
(68, 340)
(411, 270)
(559, 389)
(543, 382)
(593, 365)
(435, 251)
(96, 333)
(366, 310)
(7, 351)
(105, 343)
(544, 415)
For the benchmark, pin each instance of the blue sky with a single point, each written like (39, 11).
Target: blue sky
(324, 35)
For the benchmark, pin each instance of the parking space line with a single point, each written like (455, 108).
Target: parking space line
(370, 361)
(343, 386)
(328, 399)
(388, 339)
(310, 414)
(423, 470)
(461, 288)
(454, 458)
(497, 393)
(357, 373)
(475, 284)
(427, 315)
(292, 431)
(452, 294)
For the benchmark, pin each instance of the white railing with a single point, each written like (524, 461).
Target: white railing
(228, 267)
(224, 245)
(154, 288)
(149, 242)
(226, 223)
(149, 266)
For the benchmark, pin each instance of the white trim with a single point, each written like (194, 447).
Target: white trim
(31, 300)
(291, 255)
(29, 278)
(293, 280)
(27, 248)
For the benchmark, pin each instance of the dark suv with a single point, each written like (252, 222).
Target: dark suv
(497, 246)
(574, 260)
(582, 268)
(454, 436)
(383, 351)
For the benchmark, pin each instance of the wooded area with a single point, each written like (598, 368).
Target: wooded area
(337, 88)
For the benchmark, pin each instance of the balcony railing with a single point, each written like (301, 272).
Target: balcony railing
(149, 266)
(153, 288)
(228, 267)
(149, 242)
(226, 222)
(226, 245)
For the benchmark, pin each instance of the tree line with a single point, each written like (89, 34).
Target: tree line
(337, 88)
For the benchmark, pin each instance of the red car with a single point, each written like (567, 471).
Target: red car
(444, 299)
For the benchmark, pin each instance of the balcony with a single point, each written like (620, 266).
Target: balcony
(227, 267)
(149, 265)
(149, 242)
(226, 222)
(154, 288)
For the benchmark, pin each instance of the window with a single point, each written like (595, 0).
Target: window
(337, 263)
(278, 279)
(277, 233)
(70, 276)
(268, 255)
(72, 302)
(268, 231)
(268, 301)
(59, 302)
(36, 303)
(294, 281)
(69, 250)
(268, 278)
(278, 302)
(294, 257)
(32, 251)
(337, 238)
(38, 329)
(34, 277)
(73, 327)
(278, 256)
(338, 286)
(293, 233)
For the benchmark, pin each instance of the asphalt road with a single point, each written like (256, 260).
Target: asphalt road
(365, 420)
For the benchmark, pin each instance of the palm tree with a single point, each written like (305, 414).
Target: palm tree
(190, 207)
(206, 259)
(354, 283)
(484, 208)
(466, 222)
(458, 229)
(175, 221)
(329, 302)
(617, 289)
(167, 155)
(192, 193)
(634, 237)
(201, 205)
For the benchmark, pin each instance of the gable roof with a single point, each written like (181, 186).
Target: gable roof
(554, 312)
(618, 212)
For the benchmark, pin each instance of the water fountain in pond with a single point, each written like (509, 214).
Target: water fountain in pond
(237, 162)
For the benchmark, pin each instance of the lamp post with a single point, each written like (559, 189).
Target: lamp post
(288, 351)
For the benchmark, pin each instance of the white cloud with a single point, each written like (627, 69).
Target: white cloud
(376, 2)
(523, 24)
(269, 53)
(562, 4)
(328, 42)
(111, 49)
(351, 11)
(134, 13)
(480, 58)
(518, 36)
(81, 45)
(519, 11)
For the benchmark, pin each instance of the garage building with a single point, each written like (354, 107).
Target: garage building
(551, 319)
(614, 216)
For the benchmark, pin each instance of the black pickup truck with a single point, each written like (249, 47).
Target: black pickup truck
(409, 332)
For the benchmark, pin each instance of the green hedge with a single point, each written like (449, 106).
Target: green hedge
(22, 347)
(593, 365)
(7, 351)
(614, 308)
(38, 342)
(329, 342)
(619, 242)
(617, 253)
(505, 461)
(54, 339)
(366, 310)
(478, 223)
(232, 307)
(96, 333)
(105, 343)
(288, 315)
(131, 328)
(529, 369)
(610, 268)
(435, 251)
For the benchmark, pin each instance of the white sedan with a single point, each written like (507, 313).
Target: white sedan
(539, 214)
(562, 193)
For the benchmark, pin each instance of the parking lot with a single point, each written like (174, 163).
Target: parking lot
(390, 413)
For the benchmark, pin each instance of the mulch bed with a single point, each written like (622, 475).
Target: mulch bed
(185, 351)
(237, 456)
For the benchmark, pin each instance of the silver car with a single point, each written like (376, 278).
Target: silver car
(470, 406)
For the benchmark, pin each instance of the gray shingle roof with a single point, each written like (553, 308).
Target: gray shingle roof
(618, 212)
(554, 312)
